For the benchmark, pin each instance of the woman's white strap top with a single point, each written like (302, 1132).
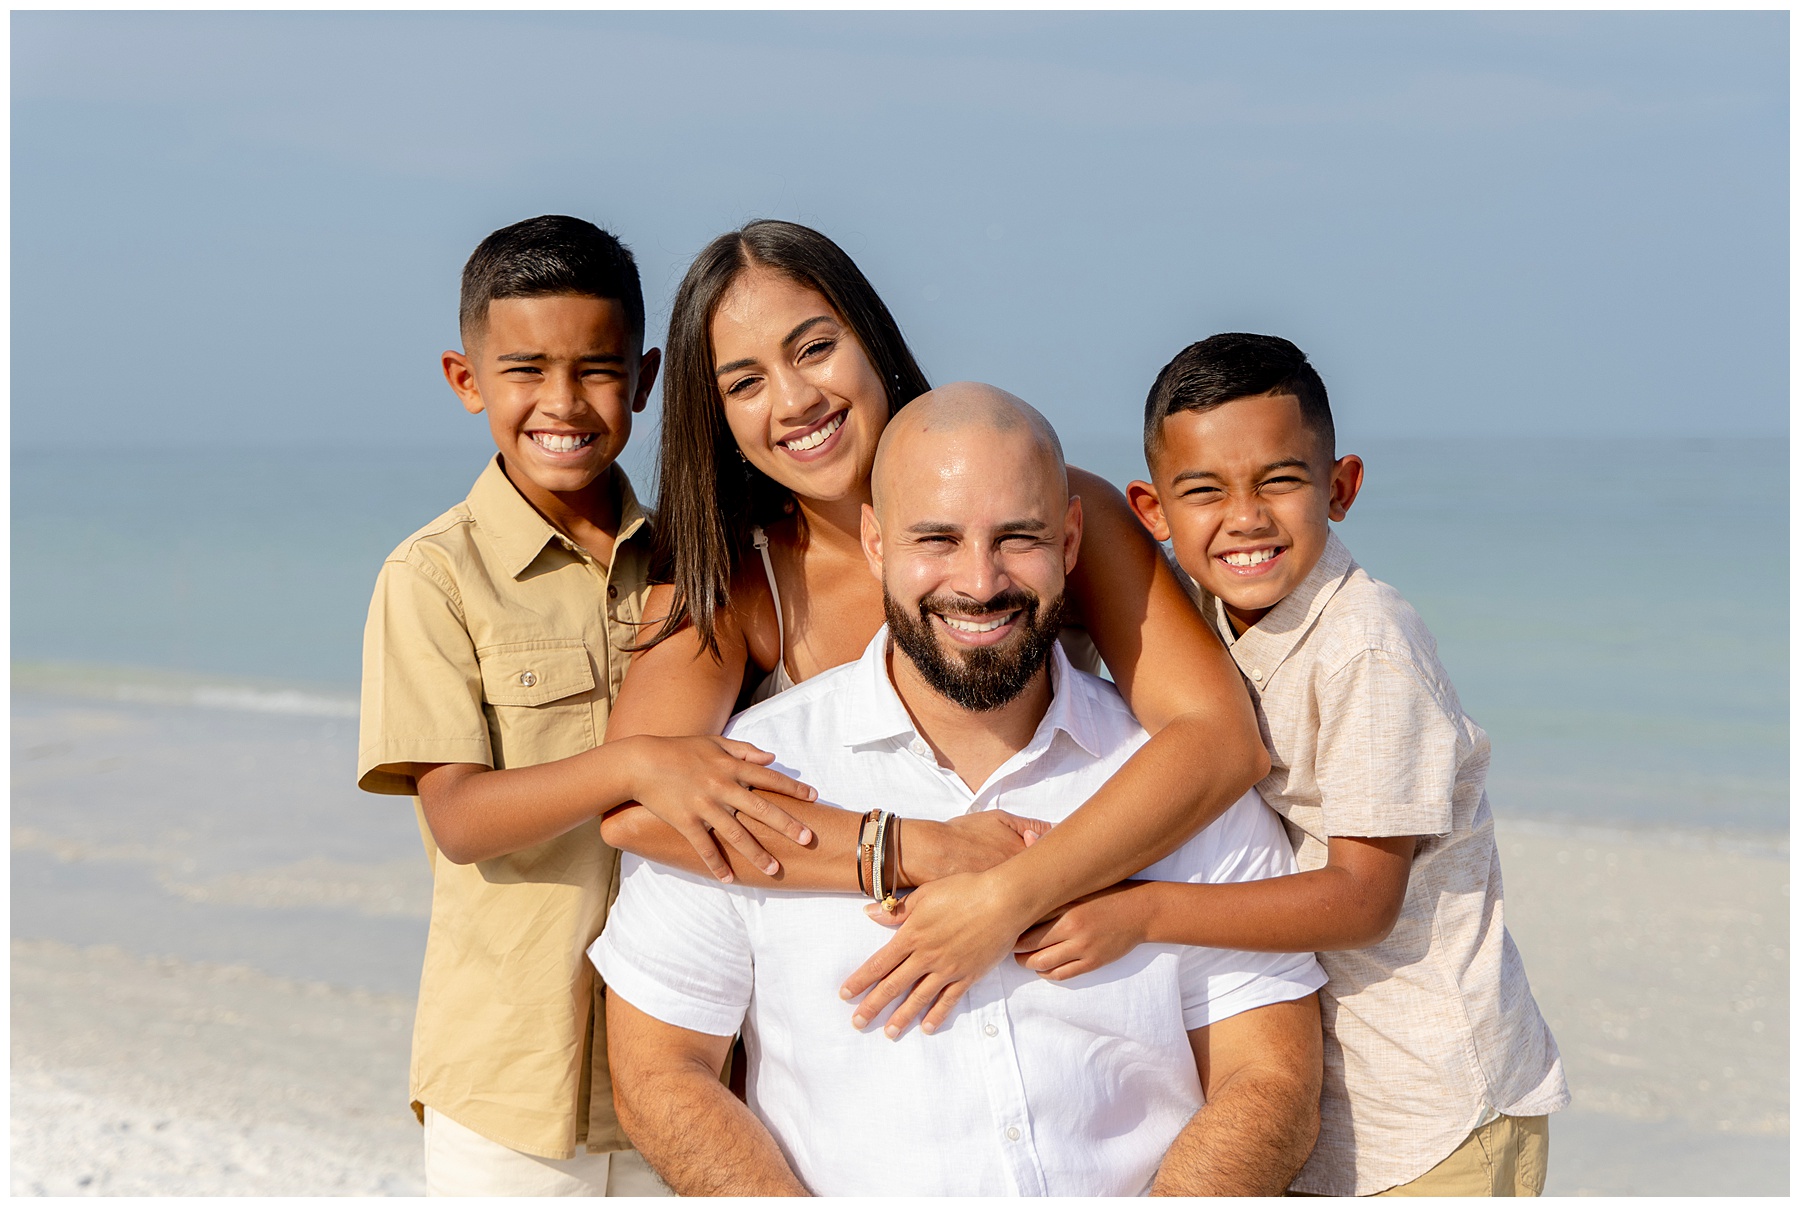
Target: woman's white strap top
(777, 680)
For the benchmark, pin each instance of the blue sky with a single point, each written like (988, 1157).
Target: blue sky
(236, 228)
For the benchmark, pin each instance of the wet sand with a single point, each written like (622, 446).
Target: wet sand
(216, 940)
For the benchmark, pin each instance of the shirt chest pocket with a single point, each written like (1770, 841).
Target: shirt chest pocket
(539, 700)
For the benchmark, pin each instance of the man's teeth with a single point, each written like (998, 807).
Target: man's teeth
(814, 439)
(964, 625)
(1255, 557)
(560, 442)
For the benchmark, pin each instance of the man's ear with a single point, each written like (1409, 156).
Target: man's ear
(1071, 533)
(871, 541)
(461, 376)
(648, 364)
(1146, 504)
(1346, 481)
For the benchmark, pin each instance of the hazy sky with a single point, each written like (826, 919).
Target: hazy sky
(247, 228)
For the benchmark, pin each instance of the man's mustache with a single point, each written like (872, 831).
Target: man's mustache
(1013, 599)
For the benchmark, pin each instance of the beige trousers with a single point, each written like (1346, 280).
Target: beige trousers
(461, 1162)
(1506, 1158)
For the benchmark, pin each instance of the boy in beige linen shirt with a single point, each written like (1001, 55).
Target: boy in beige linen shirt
(497, 637)
(1439, 1071)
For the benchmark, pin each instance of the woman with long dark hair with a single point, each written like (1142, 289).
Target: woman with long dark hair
(783, 369)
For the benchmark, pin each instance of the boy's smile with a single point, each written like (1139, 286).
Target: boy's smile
(1245, 493)
(559, 378)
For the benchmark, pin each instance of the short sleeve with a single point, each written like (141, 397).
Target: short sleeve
(1247, 842)
(676, 947)
(1388, 751)
(421, 685)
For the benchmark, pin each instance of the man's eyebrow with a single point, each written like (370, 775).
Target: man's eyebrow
(787, 341)
(934, 528)
(1023, 526)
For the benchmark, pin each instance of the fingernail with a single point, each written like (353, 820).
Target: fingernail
(725, 878)
(771, 867)
(859, 1022)
(893, 1032)
(928, 1028)
(805, 835)
(844, 992)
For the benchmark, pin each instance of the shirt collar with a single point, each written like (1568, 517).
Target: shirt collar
(517, 529)
(1266, 644)
(879, 715)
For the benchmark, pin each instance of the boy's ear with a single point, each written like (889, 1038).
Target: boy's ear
(461, 376)
(648, 364)
(1346, 481)
(1146, 504)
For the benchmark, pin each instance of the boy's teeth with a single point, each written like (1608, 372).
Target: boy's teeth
(974, 626)
(1255, 557)
(814, 439)
(560, 443)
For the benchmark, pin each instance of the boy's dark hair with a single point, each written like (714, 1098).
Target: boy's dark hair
(1235, 365)
(545, 256)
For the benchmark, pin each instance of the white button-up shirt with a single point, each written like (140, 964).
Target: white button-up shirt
(1032, 1086)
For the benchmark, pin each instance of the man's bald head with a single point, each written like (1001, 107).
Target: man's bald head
(970, 422)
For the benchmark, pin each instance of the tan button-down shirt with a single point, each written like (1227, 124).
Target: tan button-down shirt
(495, 639)
(1433, 1030)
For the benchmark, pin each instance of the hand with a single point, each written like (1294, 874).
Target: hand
(974, 842)
(700, 785)
(1085, 934)
(951, 932)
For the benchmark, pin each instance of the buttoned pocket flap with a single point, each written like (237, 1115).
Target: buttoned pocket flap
(534, 672)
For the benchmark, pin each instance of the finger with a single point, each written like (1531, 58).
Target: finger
(745, 751)
(890, 957)
(767, 811)
(889, 989)
(727, 828)
(1034, 938)
(923, 994)
(1073, 968)
(940, 1013)
(875, 913)
(1047, 960)
(701, 839)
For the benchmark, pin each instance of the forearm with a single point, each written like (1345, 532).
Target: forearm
(478, 813)
(925, 850)
(1160, 798)
(1251, 1138)
(698, 1137)
(1323, 910)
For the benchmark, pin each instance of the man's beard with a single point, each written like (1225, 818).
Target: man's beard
(986, 677)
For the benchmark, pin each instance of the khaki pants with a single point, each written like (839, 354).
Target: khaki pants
(1505, 1158)
(462, 1162)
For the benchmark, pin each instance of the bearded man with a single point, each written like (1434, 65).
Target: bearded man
(1186, 1070)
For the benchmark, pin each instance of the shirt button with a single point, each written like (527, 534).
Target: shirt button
(612, 592)
(991, 1029)
(527, 678)
(1012, 1133)
(1256, 675)
(919, 747)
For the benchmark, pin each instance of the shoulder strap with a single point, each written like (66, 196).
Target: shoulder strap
(760, 539)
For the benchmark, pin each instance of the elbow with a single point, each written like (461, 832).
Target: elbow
(451, 842)
(624, 828)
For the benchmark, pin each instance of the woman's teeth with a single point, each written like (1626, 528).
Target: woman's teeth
(560, 442)
(814, 439)
(963, 625)
(1255, 557)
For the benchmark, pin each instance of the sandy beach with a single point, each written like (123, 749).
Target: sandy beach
(215, 941)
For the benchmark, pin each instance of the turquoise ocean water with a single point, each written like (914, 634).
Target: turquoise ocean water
(1613, 612)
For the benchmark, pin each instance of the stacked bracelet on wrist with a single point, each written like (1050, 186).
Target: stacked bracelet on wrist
(878, 875)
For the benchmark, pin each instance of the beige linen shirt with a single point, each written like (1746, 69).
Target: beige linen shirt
(495, 639)
(1432, 1031)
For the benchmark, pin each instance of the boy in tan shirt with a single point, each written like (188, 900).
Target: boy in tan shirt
(496, 640)
(1439, 1071)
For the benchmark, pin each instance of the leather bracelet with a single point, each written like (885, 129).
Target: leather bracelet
(865, 853)
(889, 902)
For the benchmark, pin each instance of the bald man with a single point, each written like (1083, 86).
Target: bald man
(1182, 1070)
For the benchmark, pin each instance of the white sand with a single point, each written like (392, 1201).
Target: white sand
(146, 1077)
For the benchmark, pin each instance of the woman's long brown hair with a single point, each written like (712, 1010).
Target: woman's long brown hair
(708, 497)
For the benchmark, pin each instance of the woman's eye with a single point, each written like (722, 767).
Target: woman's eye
(819, 347)
(740, 386)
